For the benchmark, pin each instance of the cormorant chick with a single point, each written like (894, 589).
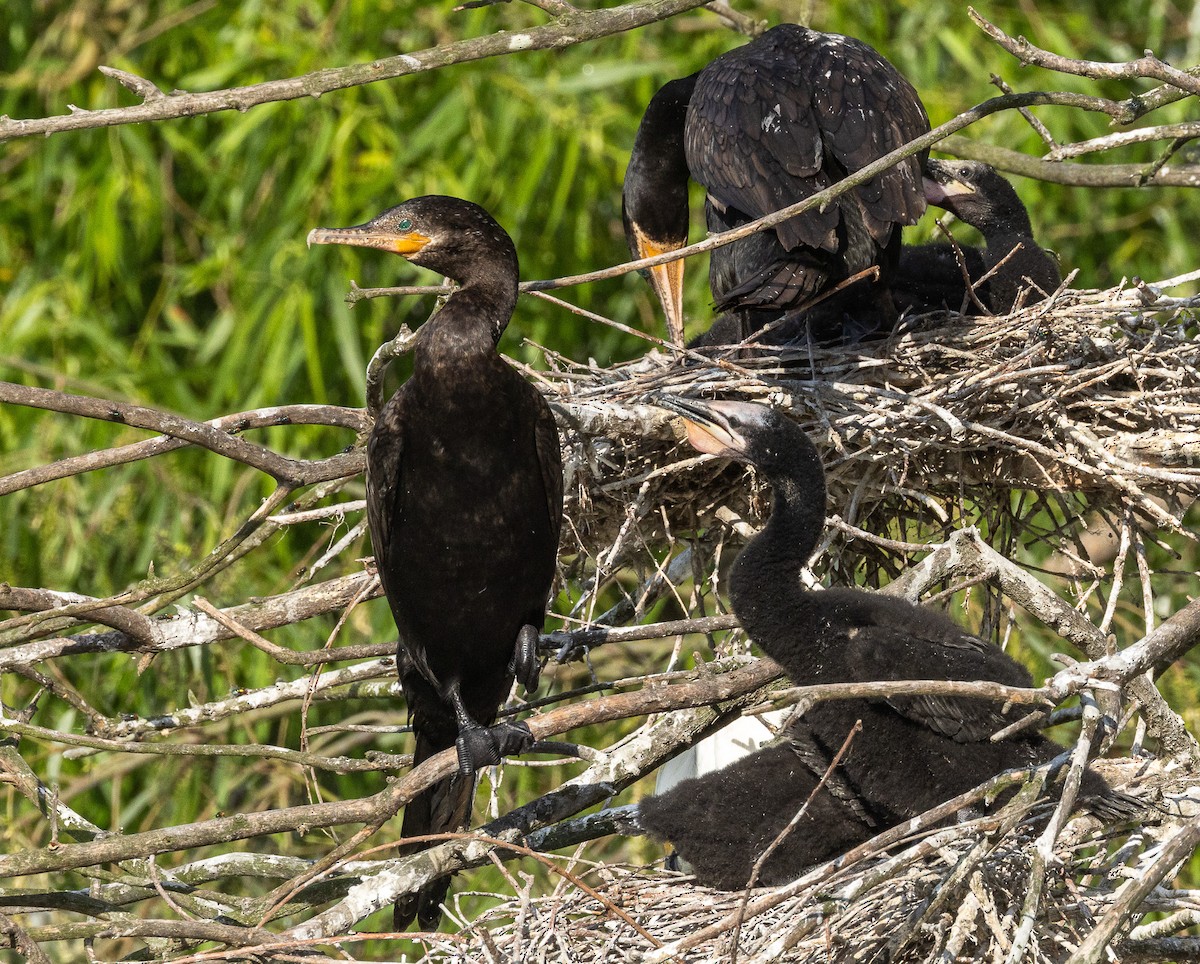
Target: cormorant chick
(464, 505)
(930, 277)
(762, 127)
(722, 822)
(914, 752)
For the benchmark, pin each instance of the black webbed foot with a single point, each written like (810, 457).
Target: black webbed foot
(484, 746)
(524, 664)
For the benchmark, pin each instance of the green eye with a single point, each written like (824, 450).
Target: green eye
(405, 225)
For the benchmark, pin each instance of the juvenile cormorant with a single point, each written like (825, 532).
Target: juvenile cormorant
(721, 822)
(762, 127)
(464, 505)
(930, 278)
(914, 752)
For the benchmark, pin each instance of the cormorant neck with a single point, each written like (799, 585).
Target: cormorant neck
(1006, 219)
(654, 196)
(768, 569)
(484, 302)
(493, 294)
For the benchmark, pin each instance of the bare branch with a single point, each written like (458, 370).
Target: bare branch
(288, 472)
(1145, 66)
(1181, 132)
(178, 631)
(1074, 175)
(332, 415)
(1181, 846)
(569, 29)
(1166, 644)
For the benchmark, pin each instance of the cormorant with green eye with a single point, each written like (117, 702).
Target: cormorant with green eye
(464, 505)
(762, 127)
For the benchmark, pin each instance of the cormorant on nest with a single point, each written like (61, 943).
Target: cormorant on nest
(930, 276)
(763, 127)
(464, 504)
(913, 753)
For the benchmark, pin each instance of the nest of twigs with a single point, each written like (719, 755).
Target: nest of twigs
(1087, 398)
(957, 893)
(1082, 410)
(950, 448)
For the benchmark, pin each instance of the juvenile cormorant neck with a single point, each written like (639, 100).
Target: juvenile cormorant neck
(768, 568)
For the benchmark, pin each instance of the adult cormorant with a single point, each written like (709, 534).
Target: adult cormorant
(464, 504)
(914, 751)
(930, 277)
(762, 127)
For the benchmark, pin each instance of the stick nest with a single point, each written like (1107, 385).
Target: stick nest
(1090, 395)
(954, 894)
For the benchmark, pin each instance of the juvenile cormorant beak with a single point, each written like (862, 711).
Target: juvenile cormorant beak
(711, 424)
(372, 235)
(937, 192)
(666, 280)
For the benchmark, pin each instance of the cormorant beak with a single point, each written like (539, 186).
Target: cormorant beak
(371, 235)
(937, 192)
(708, 429)
(666, 280)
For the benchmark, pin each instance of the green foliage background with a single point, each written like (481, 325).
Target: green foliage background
(165, 264)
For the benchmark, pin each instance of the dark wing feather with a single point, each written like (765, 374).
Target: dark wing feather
(753, 140)
(903, 642)
(785, 116)
(385, 449)
(866, 110)
(549, 456)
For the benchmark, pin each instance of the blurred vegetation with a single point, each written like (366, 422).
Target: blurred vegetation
(165, 264)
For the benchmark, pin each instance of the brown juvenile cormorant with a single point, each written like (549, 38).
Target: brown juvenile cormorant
(464, 504)
(930, 278)
(762, 127)
(914, 752)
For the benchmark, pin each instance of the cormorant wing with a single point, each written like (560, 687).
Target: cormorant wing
(385, 448)
(754, 141)
(549, 456)
(774, 122)
(927, 645)
(799, 739)
(866, 109)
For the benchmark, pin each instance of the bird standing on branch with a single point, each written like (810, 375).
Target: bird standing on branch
(464, 505)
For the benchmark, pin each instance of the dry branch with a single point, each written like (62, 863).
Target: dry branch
(571, 28)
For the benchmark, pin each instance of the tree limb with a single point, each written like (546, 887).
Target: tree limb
(570, 28)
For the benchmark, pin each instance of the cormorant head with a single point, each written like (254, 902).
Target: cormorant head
(454, 237)
(976, 194)
(654, 196)
(755, 434)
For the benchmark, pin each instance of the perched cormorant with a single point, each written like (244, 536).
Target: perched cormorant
(464, 504)
(914, 752)
(930, 276)
(762, 127)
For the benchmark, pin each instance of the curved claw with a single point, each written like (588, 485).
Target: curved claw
(525, 665)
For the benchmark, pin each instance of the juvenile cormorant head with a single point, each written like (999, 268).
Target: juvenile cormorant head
(977, 195)
(454, 237)
(757, 435)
